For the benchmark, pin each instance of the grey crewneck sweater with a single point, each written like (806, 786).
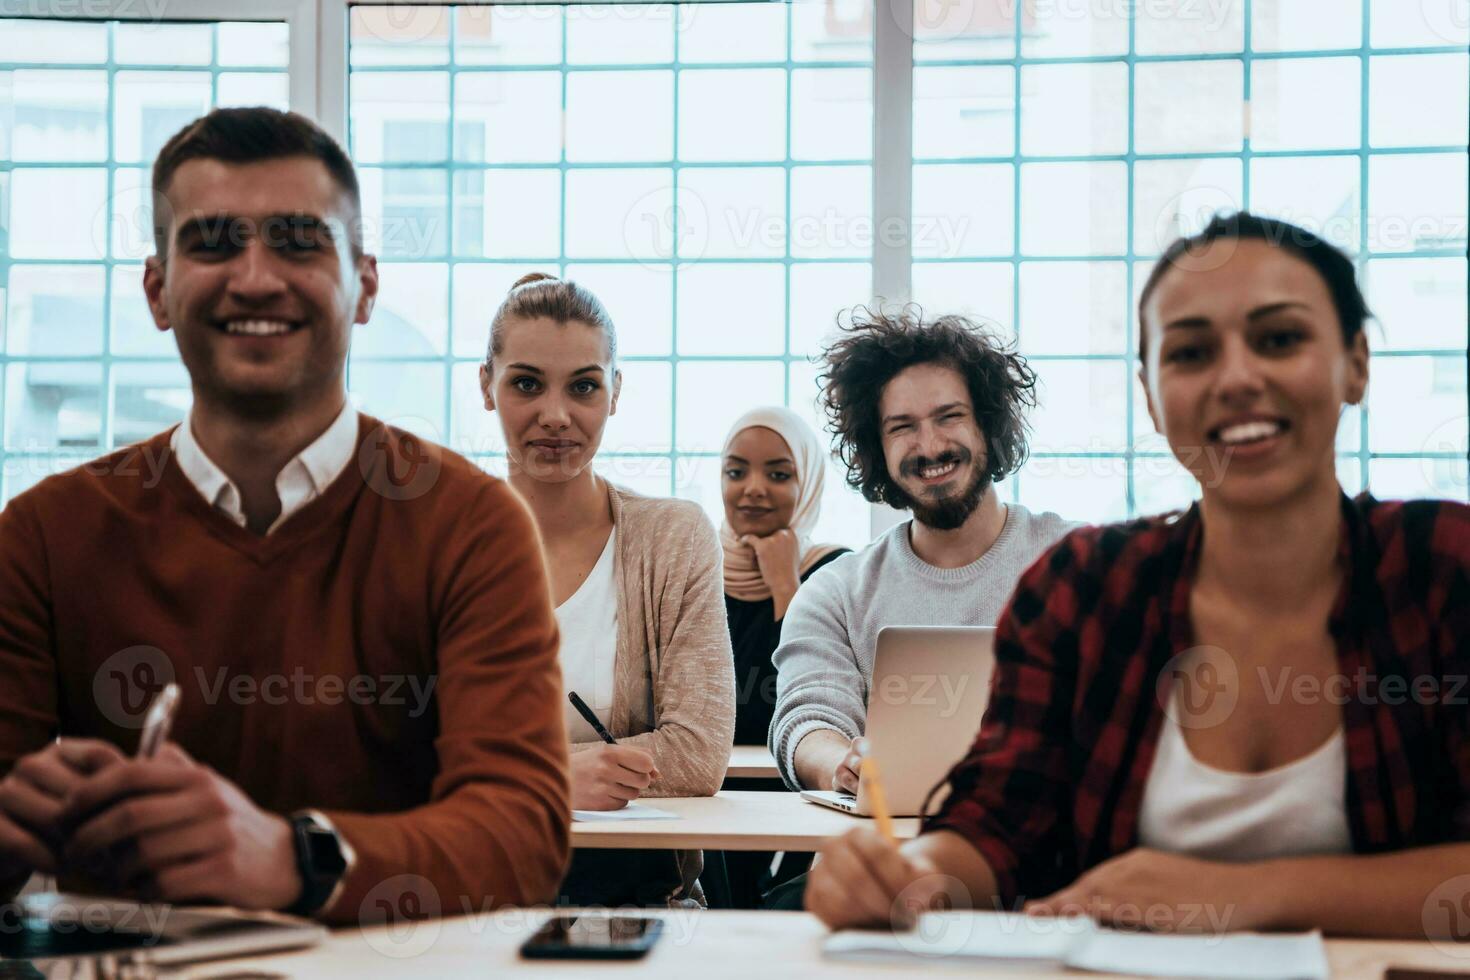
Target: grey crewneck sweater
(825, 659)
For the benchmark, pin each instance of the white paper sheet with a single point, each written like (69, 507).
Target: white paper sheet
(994, 937)
(633, 811)
(1243, 956)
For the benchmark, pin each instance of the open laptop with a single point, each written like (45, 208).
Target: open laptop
(930, 687)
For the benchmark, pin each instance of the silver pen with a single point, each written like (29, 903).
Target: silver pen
(158, 721)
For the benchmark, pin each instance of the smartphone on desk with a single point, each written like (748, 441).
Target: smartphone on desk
(590, 936)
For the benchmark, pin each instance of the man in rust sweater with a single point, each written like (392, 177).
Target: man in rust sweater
(359, 621)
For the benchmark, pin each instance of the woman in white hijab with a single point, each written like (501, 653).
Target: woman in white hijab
(773, 470)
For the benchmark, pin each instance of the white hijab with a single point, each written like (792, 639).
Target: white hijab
(742, 573)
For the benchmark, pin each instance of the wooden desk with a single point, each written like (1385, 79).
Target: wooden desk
(699, 944)
(732, 821)
(752, 762)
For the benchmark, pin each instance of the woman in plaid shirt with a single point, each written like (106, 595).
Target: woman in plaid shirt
(1252, 715)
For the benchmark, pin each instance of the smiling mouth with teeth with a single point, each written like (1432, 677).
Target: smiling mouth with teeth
(1246, 433)
(259, 328)
(934, 472)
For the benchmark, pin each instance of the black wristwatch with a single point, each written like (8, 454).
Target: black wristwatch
(321, 858)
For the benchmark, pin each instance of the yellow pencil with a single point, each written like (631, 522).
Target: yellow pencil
(874, 782)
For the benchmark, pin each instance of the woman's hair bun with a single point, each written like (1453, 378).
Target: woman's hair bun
(531, 277)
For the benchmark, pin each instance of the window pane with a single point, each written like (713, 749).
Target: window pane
(479, 289)
(622, 214)
(1400, 114)
(250, 45)
(405, 212)
(978, 29)
(1427, 23)
(54, 310)
(1189, 107)
(1074, 307)
(732, 115)
(1317, 193)
(1060, 30)
(1403, 479)
(1178, 197)
(1433, 420)
(1074, 208)
(58, 214)
(410, 319)
(53, 41)
(162, 44)
(639, 298)
(1092, 489)
(148, 398)
(1288, 108)
(152, 106)
(819, 291)
(832, 30)
(472, 429)
(399, 117)
(398, 34)
(966, 111)
(605, 34)
(712, 395)
(1082, 407)
(832, 114)
(58, 115)
(965, 210)
(1419, 303)
(641, 424)
(1074, 109)
(254, 88)
(615, 116)
(507, 213)
(732, 309)
(52, 406)
(508, 117)
(1161, 485)
(1417, 202)
(509, 34)
(133, 331)
(409, 396)
(1190, 27)
(1290, 25)
(832, 212)
(726, 33)
(982, 290)
(735, 213)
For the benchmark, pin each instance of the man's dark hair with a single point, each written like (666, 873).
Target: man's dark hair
(876, 345)
(249, 135)
(1331, 263)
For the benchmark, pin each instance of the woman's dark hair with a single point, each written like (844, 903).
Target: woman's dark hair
(250, 134)
(1335, 268)
(539, 294)
(877, 345)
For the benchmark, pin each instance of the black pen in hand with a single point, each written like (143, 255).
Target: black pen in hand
(586, 713)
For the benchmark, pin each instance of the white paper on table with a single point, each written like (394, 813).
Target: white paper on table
(1243, 956)
(633, 811)
(999, 938)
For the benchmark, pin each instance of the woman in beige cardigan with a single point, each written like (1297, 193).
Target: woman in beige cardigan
(636, 581)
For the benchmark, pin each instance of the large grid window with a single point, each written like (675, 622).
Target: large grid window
(706, 170)
(84, 109)
(709, 170)
(1057, 152)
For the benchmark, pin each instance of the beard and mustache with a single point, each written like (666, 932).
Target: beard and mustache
(944, 513)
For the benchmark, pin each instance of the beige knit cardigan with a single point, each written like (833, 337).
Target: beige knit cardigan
(673, 673)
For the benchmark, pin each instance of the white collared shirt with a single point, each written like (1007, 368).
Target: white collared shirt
(300, 481)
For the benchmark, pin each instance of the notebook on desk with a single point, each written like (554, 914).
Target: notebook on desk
(49, 927)
(1015, 940)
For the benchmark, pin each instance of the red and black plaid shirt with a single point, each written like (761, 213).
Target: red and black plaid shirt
(1053, 783)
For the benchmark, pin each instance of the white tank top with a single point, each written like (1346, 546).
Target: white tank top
(589, 645)
(1293, 810)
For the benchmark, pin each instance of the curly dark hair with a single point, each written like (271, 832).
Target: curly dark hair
(876, 345)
